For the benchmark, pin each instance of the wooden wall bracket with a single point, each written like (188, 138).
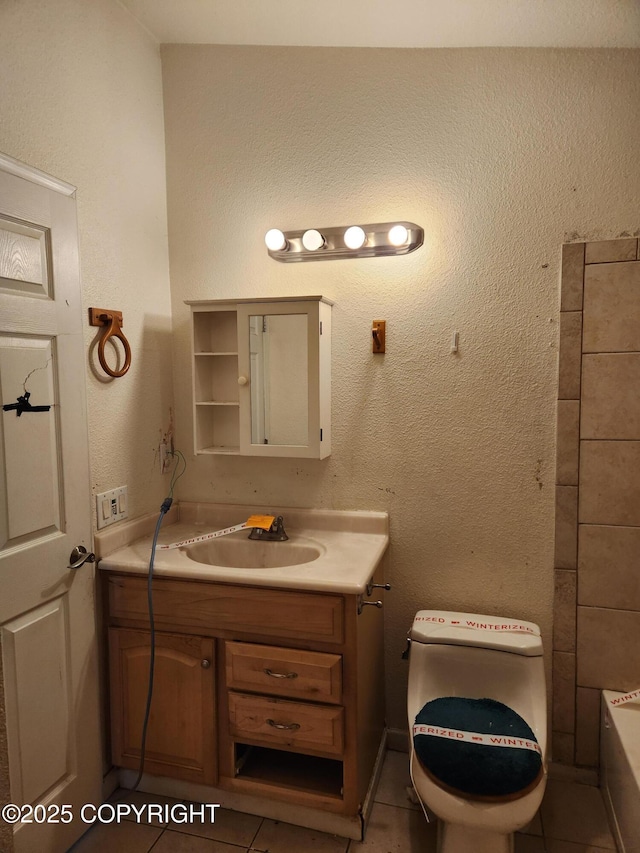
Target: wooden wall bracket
(379, 337)
(112, 321)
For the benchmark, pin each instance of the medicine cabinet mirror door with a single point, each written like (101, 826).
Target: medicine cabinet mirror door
(279, 364)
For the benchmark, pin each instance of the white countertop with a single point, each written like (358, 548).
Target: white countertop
(351, 545)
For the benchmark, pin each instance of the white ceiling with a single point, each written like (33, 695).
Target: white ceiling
(393, 23)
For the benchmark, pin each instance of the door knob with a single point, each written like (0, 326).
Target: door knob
(79, 556)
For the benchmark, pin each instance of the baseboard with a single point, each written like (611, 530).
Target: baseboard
(568, 773)
(109, 783)
(369, 799)
(398, 740)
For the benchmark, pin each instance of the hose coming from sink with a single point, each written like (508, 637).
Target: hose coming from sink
(164, 509)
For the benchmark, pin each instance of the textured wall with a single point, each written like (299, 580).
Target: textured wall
(501, 155)
(81, 98)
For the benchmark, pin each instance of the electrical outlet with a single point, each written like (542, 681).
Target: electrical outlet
(112, 506)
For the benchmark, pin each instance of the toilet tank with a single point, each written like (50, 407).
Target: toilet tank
(472, 629)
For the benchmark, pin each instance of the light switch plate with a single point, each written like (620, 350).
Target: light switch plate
(112, 506)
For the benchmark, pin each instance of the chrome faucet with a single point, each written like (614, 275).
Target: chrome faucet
(276, 533)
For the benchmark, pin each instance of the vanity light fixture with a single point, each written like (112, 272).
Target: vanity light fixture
(313, 240)
(398, 235)
(275, 240)
(355, 237)
(355, 241)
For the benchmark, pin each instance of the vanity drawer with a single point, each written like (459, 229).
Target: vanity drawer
(295, 673)
(213, 609)
(296, 726)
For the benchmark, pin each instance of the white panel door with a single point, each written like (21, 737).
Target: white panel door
(47, 610)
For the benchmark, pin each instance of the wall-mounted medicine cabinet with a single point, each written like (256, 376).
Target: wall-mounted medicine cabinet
(262, 376)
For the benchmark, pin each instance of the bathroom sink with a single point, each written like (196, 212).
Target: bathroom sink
(243, 553)
(327, 550)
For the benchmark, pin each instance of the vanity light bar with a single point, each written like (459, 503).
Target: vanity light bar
(355, 241)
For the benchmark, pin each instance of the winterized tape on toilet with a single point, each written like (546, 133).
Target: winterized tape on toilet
(477, 748)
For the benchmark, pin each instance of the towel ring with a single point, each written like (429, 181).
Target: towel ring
(112, 320)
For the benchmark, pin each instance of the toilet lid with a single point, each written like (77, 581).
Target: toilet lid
(477, 748)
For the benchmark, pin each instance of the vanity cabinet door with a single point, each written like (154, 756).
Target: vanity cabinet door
(182, 726)
(284, 363)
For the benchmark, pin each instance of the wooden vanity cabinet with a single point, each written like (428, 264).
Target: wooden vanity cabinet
(292, 709)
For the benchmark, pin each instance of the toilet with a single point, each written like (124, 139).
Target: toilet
(478, 726)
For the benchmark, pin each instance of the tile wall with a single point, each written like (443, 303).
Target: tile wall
(596, 639)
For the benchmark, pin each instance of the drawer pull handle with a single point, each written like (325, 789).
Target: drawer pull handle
(279, 674)
(285, 726)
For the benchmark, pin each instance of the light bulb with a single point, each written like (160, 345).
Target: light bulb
(398, 235)
(312, 240)
(275, 240)
(354, 237)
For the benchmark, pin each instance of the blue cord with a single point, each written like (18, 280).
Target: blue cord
(164, 509)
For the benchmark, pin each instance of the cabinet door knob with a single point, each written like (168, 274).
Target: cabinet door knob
(205, 664)
(243, 380)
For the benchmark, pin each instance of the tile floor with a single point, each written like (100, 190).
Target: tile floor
(572, 820)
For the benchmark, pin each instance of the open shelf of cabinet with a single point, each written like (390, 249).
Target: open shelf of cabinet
(217, 427)
(215, 331)
(215, 382)
(216, 378)
(290, 770)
